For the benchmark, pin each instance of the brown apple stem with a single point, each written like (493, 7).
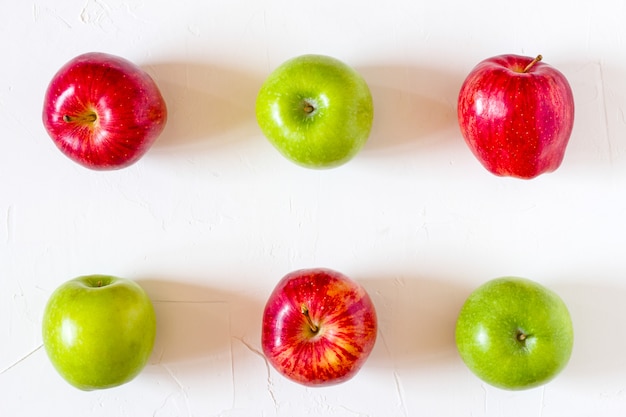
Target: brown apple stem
(87, 118)
(305, 312)
(308, 107)
(532, 63)
(521, 336)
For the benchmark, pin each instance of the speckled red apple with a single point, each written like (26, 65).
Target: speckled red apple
(516, 114)
(103, 111)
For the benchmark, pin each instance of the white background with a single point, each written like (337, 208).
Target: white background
(212, 217)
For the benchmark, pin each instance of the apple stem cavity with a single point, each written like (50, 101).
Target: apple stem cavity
(98, 281)
(532, 63)
(521, 337)
(305, 312)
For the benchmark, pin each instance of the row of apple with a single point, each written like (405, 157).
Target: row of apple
(318, 329)
(516, 113)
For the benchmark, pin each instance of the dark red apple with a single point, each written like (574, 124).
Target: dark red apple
(103, 111)
(319, 327)
(516, 114)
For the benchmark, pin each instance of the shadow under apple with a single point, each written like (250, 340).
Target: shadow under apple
(195, 321)
(596, 143)
(413, 107)
(205, 102)
(598, 312)
(417, 319)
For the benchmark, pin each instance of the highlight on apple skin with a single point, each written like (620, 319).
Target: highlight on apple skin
(319, 327)
(103, 111)
(516, 114)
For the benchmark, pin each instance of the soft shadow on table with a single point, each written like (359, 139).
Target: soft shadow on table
(596, 143)
(417, 317)
(414, 107)
(205, 101)
(598, 311)
(194, 321)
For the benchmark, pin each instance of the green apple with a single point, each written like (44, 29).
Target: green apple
(99, 331)
(514, 333)
(316, 110)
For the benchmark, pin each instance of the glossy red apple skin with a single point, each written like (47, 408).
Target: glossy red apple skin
(103, 111)
(516, 123)
(346, 320)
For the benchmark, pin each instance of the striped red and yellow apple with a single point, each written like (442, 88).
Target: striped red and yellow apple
(319, 327)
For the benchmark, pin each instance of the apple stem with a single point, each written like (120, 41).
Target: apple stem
(308, 108)
(532, 63)
(521, 336)
(305, 311)
(87, 118)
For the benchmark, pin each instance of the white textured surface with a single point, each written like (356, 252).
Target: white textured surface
(212, 217)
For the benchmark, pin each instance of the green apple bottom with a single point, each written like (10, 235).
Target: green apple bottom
(316, 110)
(514, 333)
(99, 331)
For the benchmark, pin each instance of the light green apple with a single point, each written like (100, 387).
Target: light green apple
(99, 331)
(316, 110)
(514, 333)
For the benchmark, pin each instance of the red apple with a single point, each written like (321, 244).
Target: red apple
(103, 111)
(516, 114)
(319, 327)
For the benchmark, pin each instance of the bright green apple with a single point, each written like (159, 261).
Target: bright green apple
(99, 331)
(316, 110)
(514, 333)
